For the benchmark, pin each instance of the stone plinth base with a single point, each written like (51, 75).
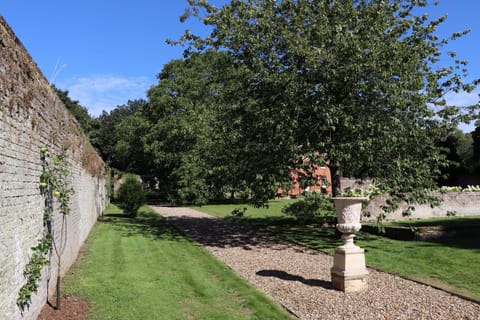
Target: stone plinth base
(349, 273)
(347, 284)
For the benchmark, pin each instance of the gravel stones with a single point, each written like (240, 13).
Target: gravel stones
(299, 278)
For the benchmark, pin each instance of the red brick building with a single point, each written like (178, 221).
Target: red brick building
(321, 175)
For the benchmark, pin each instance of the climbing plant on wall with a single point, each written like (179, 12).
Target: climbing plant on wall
(56, 191)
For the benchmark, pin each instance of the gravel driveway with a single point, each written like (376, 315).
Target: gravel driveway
(299, 278)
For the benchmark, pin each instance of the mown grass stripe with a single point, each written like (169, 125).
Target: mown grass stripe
(145, 269)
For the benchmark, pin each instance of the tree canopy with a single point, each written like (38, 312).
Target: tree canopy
(353, 84)
(358, 81)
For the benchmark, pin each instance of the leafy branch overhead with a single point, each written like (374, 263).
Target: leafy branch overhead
(354, 85)
(356, 80)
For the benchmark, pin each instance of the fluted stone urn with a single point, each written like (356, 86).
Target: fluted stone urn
(349, 273)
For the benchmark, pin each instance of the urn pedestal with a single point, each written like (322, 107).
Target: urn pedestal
(349, 273)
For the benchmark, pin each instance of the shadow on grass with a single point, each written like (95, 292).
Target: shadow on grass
(462, 242)
(446, 223)
(146, 224)
(294, 230)
(246, 232)
(222, 233)
(460, 232)
(243, 232)
(325, 239)
(291, 277)
(469, 241)
(264, 222)
(215, 232)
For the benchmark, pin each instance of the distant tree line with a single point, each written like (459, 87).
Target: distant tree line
(463, 152)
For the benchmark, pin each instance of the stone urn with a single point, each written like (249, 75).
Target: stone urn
(349, 273)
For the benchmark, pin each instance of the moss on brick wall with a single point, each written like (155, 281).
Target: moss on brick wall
(32, 116)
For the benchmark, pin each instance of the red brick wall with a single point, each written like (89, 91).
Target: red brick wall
(297, 190)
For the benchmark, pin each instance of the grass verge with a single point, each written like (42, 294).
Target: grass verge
(444, 222)
(256, 217)
(274, 209)
(450, 263)
(145, 269)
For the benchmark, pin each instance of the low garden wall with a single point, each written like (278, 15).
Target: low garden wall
(452, 203)
(32, 117)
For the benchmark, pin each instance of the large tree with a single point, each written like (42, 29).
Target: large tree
(111, 142)
(476, 149)
(192, 149)
(458, 149)
(356, 80)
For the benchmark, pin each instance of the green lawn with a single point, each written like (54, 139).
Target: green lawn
(145, 269)
(446, 222)
(224, 210)
(451, 264)
(257, 217)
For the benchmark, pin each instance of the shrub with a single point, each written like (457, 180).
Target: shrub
(472, 189)
(315, 207)
(131, 196)
(237, 212)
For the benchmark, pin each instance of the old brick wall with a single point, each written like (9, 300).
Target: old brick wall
(32, 116)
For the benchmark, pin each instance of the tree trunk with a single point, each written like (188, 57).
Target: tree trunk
(336, 173)
(59, 279)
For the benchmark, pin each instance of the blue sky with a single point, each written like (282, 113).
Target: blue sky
(106, 52)
(103, 52)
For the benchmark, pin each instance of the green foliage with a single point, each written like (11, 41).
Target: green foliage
(451, 213)
(189, 184)
(193, 146)
(53, 184)
(238, 212)
(118, 143)
(315, 207)
(368, 193)
(469, 188)
(357, 81)
(33, 270)
(129, 147)
(131, 196)
(476, 149)
(354, 85)
(57, 179)
(458, 148)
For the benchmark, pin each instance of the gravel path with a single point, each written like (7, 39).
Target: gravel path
(299, 278)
